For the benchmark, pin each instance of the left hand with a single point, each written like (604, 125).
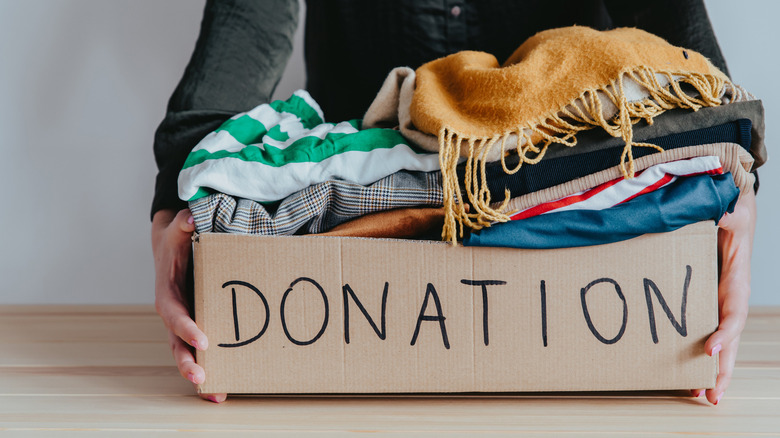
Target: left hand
(171, 245)
(735, 245)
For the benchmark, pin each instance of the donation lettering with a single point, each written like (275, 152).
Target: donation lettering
(430, 314)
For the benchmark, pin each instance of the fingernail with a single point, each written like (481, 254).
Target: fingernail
(190, 220)
(716, 350)
(698, 393)
(214, 399)
(718, 399)
(191, 378)
(199, 345)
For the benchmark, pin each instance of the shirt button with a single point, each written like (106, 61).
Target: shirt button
(455, 11)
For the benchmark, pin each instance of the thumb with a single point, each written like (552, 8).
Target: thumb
(184, 222)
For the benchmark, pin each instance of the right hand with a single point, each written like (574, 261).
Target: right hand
(171, 245)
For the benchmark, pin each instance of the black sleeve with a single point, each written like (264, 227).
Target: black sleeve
(683, 23)
(239, 57)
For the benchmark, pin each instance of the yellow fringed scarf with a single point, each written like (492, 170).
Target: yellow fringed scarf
(557, 83)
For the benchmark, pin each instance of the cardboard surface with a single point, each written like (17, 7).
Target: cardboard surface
(305, 315)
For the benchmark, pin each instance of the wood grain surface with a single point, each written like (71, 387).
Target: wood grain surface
(107, 371)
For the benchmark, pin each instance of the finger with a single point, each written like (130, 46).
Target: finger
(186, 329)
(744, 213)
(185, 361)
(724, 343)
(734, 312)
(215, 398)
(697, 392)
(727, 359)
(177, 319)
(184, 221)
(189, 369)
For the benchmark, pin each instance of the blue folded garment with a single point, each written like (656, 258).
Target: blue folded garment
(685, 201)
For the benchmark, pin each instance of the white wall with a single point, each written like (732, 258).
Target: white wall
(750, 39)
(83, 85)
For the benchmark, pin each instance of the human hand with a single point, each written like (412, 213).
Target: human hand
(171, 245)
(735, 244)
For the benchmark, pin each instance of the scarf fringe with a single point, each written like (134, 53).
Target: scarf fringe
(533, 139)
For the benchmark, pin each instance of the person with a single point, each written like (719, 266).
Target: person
(351, 45)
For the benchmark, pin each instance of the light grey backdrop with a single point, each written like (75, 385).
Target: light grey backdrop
(83, 85)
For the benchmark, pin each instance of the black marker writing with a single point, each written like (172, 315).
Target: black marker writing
(347, 291)
(431, 291)
(284, 321)
(484, 284)
(585, 312)
(681, 327)
(543, 296)
(235, 313)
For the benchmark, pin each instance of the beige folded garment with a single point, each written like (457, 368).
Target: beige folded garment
(733, 157)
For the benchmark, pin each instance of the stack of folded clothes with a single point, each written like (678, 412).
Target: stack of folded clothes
(280, 169)
(581, 138)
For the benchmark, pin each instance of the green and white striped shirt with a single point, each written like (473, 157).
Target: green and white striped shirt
(277, 149)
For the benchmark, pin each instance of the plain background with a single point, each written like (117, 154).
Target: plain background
(83, 85)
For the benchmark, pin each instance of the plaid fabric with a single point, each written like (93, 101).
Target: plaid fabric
(317, 208)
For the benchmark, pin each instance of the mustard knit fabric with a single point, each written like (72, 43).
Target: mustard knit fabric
(557, 83)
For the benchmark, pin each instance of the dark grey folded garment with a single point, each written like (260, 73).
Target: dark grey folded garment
(317, 208)
(677, 121)
(738, 122)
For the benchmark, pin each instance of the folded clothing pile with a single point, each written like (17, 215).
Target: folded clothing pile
(280, 169)
(582, 137)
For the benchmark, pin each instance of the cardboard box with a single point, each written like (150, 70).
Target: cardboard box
(350, 315)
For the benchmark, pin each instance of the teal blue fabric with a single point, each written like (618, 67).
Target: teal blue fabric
(685, 201)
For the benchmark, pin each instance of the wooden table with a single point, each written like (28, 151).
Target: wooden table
(107, 371)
